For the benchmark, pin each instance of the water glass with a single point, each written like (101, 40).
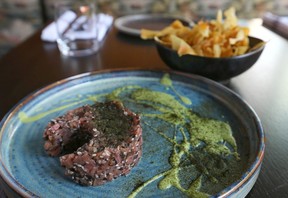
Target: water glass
(76, 28)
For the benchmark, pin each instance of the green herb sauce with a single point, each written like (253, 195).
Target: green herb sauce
(166, 81)
(200, 131)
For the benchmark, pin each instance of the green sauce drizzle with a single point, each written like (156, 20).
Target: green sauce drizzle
(211, 133)
(166, 81)
(24, 118)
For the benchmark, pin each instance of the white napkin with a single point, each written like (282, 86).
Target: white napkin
(104, 22)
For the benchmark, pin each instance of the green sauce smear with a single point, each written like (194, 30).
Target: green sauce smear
(166, 81)
(205, 145)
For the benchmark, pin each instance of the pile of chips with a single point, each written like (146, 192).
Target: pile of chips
(215, 38)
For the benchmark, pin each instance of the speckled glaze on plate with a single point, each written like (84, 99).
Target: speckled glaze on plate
(27, 171)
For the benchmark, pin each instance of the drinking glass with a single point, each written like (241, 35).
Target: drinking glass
(76, 28)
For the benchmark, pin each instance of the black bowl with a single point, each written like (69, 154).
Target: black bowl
(219, 69)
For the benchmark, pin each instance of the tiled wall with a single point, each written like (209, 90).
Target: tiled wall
(198, 8)
(20, 18)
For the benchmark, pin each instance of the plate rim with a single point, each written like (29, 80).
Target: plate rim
(236, 186)
(120, 21)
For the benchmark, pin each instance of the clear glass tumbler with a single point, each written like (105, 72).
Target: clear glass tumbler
(76, 28)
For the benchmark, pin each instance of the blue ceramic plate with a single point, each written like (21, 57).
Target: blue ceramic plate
(28, 171)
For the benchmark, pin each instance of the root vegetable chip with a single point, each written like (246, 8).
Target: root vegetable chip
(214, 38)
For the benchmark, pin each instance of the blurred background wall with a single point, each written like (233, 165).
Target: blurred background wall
(20, 18)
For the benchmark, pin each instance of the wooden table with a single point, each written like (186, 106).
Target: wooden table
(34, 64)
